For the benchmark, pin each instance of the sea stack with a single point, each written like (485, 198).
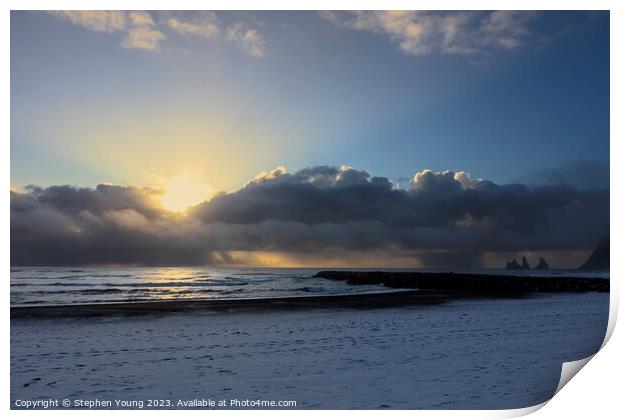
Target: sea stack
(525, 265)
(542, 264)
(514, 265)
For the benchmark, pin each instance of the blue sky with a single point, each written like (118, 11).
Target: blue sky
(226, 95)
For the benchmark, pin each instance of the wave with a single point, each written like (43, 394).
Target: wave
(70, 291)
(201, 283)
(140, 290)
(82, 276)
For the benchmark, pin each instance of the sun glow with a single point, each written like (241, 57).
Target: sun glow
(180, 193)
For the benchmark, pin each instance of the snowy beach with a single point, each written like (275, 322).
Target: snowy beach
(462, 354)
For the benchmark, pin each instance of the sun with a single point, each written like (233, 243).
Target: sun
(181, 192)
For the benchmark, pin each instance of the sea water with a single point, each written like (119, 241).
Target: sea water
(80, 285)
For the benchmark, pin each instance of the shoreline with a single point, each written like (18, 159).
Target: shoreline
(360, 300)
(372, 300)
(430, 289)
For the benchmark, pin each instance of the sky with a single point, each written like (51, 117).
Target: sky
(142, 125)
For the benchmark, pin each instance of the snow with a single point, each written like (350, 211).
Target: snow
(481, 354)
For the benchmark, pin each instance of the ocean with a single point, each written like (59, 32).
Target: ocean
(79, 285)
(73, 285)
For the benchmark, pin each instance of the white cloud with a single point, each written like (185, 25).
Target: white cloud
(248, 39)
(144, 38)
(422, 33)
(142, 32)
(139, 27)
(138, 18)
(95, 20)
(205, 25)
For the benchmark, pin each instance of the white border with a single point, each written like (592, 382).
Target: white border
(593, 395)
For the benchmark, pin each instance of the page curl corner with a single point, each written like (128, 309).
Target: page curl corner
(569, 370)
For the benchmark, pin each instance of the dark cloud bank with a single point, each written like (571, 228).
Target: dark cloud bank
(446, 218)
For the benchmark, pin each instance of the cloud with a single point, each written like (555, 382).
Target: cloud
(248, 39)
(580, 174)
(207, 25)
(144, 38)
(204, 25)
(142, 32)
(339, 195)
(324, 212)
(507, 29)
(96, 20)
(139, 28)
(423, 33)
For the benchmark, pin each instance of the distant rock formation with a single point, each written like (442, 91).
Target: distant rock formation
(514, 265)
(542, 264)
(525, 265)
(599, 260)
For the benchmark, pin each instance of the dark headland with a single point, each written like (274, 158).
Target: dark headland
(599, 259)
(476, 283)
